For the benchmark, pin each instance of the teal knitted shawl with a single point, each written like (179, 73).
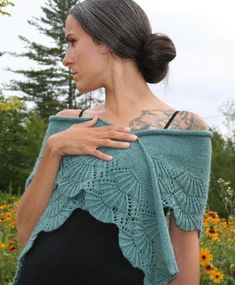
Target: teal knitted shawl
(163, 168)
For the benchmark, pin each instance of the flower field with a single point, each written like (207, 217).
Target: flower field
(217, 245)
(9, 245)
(217, 252)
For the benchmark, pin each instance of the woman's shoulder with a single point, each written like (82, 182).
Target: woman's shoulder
(75, 112)
(69, 113)
(186, 120)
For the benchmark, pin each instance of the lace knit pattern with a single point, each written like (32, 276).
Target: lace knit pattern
(163, 168)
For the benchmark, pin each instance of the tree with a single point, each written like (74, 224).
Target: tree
(228, 110)
(50, 86)
(9, 104)
(21, 134)
(223, 167)
(4, 4)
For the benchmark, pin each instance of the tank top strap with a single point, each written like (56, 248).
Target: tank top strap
(80, 114)
(171, 119)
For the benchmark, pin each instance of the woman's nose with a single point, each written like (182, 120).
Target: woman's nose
(66, 60)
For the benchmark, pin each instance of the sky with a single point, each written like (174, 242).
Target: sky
(201, 77)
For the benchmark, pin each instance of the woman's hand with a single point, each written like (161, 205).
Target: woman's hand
(83, 139)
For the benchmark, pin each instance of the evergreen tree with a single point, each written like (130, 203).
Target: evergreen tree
(50, 85)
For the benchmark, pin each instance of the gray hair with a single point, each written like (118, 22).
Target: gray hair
(124, 27)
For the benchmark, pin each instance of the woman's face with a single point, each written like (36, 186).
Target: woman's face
(87, 59)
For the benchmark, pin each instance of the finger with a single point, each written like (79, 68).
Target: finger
(112, 132)
(115, 144)
(114, 128)
(101, 155)
(90, 123)
(126, 137)
(118, 128)
(118, 134)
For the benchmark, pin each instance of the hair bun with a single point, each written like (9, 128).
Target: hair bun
(156, 51)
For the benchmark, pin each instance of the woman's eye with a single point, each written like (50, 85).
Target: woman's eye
(71, 42)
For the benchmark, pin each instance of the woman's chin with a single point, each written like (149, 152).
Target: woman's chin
(80, 87)
(84, 89)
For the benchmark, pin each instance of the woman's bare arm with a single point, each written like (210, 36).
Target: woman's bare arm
(34, 200)
(187, 252)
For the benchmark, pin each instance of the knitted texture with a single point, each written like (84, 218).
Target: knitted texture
(163, 168)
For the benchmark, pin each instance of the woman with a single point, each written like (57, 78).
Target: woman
(110, 45)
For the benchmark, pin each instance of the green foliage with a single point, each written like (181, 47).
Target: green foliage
(227, 194)
(4, 4)
(21, 136)
(34, 133)
(223, 166)
(10, 104)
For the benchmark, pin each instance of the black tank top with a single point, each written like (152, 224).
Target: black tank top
(83, 251)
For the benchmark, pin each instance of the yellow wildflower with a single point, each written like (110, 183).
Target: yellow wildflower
(2, 245)
(217, 276)
(211, 232)
(205, 256)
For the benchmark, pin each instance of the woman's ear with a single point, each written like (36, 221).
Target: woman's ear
(104, 49)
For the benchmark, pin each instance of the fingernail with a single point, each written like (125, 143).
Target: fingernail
(127, 129)
(109, 157)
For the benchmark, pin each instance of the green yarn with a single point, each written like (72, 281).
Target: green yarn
(163, 168)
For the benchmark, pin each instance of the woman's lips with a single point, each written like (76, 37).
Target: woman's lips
(74, 74)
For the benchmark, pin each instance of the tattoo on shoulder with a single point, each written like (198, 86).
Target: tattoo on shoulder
(158, 118)
(151, 119)
(189, 121)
